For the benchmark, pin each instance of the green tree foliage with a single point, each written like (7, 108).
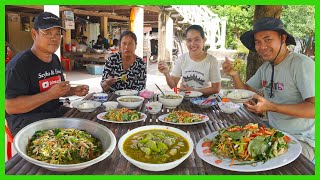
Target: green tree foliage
(300, 22)
(239, 20)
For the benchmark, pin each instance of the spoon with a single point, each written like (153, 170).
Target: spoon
(209, 99)
(160, 90)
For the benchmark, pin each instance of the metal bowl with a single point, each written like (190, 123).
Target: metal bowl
(99, 131)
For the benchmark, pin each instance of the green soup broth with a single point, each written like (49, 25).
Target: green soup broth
(156, 146)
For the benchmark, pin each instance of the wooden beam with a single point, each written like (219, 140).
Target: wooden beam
(83, 12)
(21, 13)
(155, 9)
(101, 8)
(92, 13)
(33, 7)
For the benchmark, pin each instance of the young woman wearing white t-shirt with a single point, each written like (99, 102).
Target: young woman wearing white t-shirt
(199, 71)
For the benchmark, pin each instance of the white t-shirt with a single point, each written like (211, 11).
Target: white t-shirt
(293, 83)
(197, 74)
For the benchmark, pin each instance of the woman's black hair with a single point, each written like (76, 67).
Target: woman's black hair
(196, 28)
(128, 33)
(116, 42)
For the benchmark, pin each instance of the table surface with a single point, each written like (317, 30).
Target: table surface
(117, 164)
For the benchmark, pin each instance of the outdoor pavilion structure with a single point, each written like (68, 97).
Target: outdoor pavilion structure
(170, 22)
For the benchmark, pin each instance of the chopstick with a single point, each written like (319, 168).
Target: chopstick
(72, 84)
(109, 86)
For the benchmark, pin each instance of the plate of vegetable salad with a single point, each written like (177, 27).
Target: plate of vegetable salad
(183, 118)
(64, 146)
(122, 115)
(248, 148)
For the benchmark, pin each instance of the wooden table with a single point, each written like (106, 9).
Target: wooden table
(117, 164)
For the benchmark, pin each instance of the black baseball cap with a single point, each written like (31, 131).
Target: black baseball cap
(47, 20)
(264, 24)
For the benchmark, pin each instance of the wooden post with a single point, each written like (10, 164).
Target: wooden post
(104, 27)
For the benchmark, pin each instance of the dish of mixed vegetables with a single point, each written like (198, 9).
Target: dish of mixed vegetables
(183, 118)
(156, 146)
(63, 146)
(122, 115)
(247, 144)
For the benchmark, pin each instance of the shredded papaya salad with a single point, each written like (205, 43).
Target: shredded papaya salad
(183, 117)
(63, 146)
(248, 144)
(122, 115)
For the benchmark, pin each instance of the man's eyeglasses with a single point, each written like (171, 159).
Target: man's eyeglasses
(49, 35)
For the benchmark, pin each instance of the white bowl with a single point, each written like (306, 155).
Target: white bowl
(239, 95)
(170, 103)
(228, 107)
(130, 105)
(191, 94)
(110, 105)
(126, 92)
(168, 92)
(97, 130)
(101, 97)
(98, 50)
(86, 105)
(155, 167)
(154, 107)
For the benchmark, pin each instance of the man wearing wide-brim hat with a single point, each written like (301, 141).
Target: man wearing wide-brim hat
(34, 78)
(286, 79)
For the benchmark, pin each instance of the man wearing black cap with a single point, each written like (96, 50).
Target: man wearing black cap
(34, 79)
(286, 79)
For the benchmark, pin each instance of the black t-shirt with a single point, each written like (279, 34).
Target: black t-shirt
(26, 74)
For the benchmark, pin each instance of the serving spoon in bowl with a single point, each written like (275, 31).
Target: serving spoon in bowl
(160, 90)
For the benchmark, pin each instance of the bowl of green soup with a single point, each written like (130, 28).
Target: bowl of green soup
(155, 147)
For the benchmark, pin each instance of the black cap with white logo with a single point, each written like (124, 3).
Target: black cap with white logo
(47, 20)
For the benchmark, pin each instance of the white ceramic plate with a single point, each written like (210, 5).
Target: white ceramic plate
(101, 117)
(242, 95)
(161, 118)
(126, 92)
(293, 153)
(191, 94)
